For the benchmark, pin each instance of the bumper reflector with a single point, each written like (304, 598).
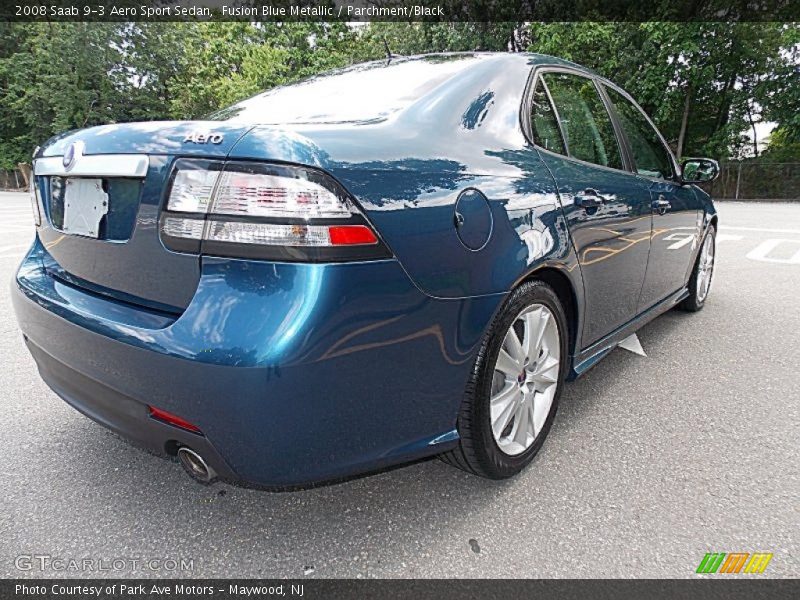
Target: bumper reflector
(174, 420)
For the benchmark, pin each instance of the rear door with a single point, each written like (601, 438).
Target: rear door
(675, 208)
(606, 206)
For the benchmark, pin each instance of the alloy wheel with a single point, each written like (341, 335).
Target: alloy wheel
(705, 268)
(525, 379)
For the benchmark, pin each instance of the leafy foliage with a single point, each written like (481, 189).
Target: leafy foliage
(704, 84)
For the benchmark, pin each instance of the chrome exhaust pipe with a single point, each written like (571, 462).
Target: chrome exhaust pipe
(196, 466)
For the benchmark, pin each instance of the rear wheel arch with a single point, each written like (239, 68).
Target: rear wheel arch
(479, 450)
(565, 290)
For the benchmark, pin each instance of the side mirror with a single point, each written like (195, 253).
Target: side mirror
(699, 170)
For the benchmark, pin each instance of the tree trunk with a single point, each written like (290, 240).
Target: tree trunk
(725, 104)
(514, 46)
(25, 169)
(753, 125)
(684, 121)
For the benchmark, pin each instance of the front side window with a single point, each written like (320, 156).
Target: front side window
(543, 121)
(584, 119)
(649, 153)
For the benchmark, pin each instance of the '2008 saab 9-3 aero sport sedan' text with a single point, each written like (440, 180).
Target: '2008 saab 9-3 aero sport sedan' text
(382, 263)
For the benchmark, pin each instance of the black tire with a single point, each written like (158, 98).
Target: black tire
(693, 303)
(478, 453)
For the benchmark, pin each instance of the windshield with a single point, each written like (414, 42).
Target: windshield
(363, 93)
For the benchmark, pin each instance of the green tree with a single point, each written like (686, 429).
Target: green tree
(55, 77)
(704, 84)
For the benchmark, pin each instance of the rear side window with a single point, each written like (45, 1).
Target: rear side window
(651, 157)
(588, 131)
(543, 121)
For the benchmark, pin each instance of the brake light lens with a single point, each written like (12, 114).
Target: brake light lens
(258, 210)
(284, 235)
(346, 235)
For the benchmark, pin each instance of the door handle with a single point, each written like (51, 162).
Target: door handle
(661, 205)
(589, 199)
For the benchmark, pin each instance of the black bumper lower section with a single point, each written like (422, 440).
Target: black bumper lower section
(122, 414)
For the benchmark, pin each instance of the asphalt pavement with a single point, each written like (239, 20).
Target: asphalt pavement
(651, 463)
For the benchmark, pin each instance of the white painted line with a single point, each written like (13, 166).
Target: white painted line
(726, 227)
(761, 252)
(683, 239)
(725, 237)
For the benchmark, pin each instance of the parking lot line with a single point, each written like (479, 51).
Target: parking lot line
(761, 229)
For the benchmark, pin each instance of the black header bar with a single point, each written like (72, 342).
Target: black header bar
(401, 10)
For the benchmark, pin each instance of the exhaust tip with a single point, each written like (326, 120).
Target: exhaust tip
(196, 466)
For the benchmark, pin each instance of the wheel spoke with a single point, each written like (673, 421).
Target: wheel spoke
(507, 365)
(519, 432)
(504, 396)
(503, 418)
(513, 346)
(532, 415)
(548, 371)
(541, 407)
(535, 326)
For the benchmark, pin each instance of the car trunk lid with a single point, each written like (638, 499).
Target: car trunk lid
(101, 190)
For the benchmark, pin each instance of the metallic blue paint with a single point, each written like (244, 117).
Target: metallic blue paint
(298, 373)
(295, 372)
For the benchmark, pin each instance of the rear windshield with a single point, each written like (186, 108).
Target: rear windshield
(363, 93)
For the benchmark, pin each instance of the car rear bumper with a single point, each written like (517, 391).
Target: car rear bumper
(121, 414)
(296, 374)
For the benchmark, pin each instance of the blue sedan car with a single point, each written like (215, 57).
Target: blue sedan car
(392, 261)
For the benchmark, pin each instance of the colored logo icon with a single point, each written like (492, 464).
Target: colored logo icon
(734, 562)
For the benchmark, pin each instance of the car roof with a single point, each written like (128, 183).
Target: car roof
(531, 58)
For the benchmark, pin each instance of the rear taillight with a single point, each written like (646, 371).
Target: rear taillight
(257, 210)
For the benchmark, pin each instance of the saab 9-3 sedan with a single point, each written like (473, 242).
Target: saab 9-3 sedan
(396, 260)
